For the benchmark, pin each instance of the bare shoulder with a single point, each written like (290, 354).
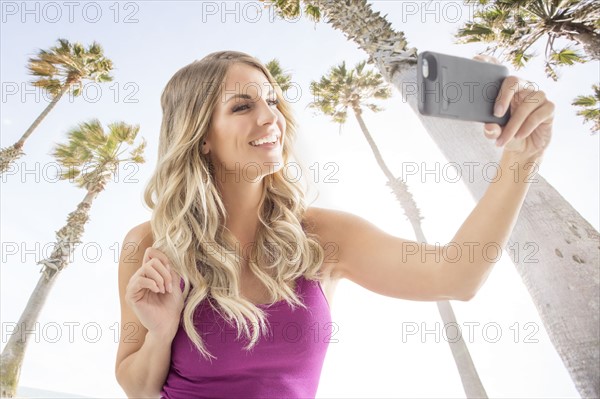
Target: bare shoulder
(324, 224)
(320, 222)
(322, 216)
(329, 224)
(384, 263)
(135, 243)
(142, 231)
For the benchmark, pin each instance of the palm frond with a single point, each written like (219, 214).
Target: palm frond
(342, 88)
(585, 101)
(90, 149)
(590, 108)
(567, 56)
(283, 79)
(291, 9)
(70, 64)
(136, 154)
(516, 25)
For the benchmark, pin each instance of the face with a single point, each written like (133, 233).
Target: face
(246, 111)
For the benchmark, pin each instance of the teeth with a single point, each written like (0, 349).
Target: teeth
(269, 139)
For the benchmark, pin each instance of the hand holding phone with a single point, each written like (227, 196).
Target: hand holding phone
(459, 88)
(465, 89)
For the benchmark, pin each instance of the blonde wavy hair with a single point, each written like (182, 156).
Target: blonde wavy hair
(188, 215)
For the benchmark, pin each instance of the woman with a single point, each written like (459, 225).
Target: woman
(232, 252)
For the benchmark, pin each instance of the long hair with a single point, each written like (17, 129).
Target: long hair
(188, 215)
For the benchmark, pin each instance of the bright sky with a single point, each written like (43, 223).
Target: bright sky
(375, 356)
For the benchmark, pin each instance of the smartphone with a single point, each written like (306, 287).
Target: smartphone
(459, 88)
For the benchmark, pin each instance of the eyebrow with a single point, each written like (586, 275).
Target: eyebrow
(246, 96)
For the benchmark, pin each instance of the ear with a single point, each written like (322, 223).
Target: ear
(205, 147)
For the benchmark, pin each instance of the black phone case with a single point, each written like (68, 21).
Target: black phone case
(460, 88)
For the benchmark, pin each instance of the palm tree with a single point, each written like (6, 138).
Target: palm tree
(100, 153)
(590, 108)
(283, 79)
(291, 9)
(56, 71)
(563, 284)
(341, 90)
(515, 25)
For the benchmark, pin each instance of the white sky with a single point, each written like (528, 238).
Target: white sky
(373, 357)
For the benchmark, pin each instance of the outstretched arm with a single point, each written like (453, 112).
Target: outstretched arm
(478, 244)
(405, 269)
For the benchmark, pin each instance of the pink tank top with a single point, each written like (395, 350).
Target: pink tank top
(287, 363)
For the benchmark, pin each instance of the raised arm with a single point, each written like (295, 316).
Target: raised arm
(400, 268)
(405, 269)
(150, 307)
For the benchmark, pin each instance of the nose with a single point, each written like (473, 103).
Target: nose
(266, 115)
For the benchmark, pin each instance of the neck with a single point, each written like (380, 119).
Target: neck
(241, 200)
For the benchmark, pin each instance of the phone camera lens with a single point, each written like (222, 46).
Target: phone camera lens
(425, 68)
(429, 67)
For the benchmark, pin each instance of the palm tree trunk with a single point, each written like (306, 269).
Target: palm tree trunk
(563, 279)
(39, 119)
(13, 353)
(462, 358)
(11, 153)
(374, 149)
(554, 249)
(12, 356)
(582, 34)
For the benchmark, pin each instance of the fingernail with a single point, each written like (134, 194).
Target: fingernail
(170, 287)
(498, 110)
(492, 133)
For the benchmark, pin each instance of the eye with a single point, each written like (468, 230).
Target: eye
(240, 108)
(245, 106)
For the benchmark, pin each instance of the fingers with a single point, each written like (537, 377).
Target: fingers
(146, 283)
(175, 281)
(152, 253)
(507, 91)
(162, 265)
(515, 121)
(158, 272)
(137, 286)
(529, 101)
(542, 114)
(487, 58)
(492, 130)
(152, 275)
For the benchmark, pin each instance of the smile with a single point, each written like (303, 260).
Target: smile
(271, 139)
